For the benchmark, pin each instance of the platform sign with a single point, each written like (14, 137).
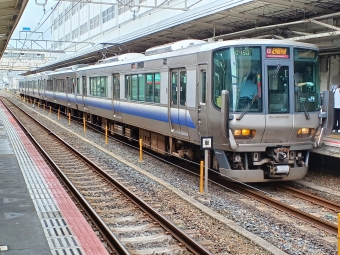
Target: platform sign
(206, 143)
(26, 29)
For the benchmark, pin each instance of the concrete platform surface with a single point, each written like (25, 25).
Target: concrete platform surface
(37, 217)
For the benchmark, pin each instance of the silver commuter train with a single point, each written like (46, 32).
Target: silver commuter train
(259, 99)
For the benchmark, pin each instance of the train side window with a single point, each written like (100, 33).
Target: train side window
(78, 86)
(183, 87)
(127, 87)
(157, 87)
(149, 88)
(70, 85)
(98, 86)
(203, 82)
(116, 86)
(134, 87)
(141, 87)
(84, 85)
(174, 76)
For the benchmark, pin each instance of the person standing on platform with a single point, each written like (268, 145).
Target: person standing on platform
(336, 91)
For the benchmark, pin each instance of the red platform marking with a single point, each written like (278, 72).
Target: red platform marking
(88, 240)
(331, 141)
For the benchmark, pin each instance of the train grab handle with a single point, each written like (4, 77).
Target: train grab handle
(225, 113)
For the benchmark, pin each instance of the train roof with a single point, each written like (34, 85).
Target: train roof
(193, 46)
(179, 48)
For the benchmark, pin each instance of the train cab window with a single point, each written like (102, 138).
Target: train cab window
(306, 80)
(174, 78)
(278, 89)
(116, 86)
(238, 70)
(84, 85)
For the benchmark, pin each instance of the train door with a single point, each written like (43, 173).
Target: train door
(115, 96)
(278, 75)
(39, 86)
(43, 88)
(69, 90)
(178, 98)
(202, 100)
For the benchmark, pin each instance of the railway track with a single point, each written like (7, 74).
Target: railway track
(279, 204)
(129, 225)
(265, 201)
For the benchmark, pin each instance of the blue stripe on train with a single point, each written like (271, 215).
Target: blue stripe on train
(145, 111)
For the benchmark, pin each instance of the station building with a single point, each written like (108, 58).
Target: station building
(104, 28)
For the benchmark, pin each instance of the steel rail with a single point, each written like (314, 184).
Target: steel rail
(332, 228)
(182, 237)
(102, 227)
(311, 198)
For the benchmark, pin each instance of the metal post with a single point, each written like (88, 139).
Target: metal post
(140, 150)
(206, 172)
(84, 124)
(58, 114)
(201, 176)
(38, 104)
(50, 110)
(106, 134)
(69, 118)
(338, 233)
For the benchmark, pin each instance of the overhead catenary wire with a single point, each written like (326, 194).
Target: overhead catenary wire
(37, 27)
(53, 9)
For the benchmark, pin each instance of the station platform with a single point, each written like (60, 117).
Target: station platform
(330, 146)
(37, 216)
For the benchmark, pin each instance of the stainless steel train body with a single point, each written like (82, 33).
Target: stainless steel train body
(258, 99)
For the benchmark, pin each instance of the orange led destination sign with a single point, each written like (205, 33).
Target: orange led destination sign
(273, 52)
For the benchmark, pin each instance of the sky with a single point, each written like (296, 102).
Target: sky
(31, 17)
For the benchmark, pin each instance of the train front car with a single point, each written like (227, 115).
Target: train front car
(268, 93)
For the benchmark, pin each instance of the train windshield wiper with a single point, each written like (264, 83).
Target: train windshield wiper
(248, 106)
(302, 101)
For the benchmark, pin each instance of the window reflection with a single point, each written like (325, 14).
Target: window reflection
(238, 70)
(307, 80)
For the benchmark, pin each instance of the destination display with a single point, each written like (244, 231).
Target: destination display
(242, 52)
(277, 52)
(307, 54)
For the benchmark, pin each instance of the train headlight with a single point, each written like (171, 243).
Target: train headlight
(304, 132)
(244, 133)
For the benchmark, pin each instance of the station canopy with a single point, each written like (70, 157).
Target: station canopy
(10, 14)
(311, 21)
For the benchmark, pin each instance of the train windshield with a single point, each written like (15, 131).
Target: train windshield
(238, 70)
(307, 80)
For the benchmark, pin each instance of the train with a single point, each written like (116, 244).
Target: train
(258, 99)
